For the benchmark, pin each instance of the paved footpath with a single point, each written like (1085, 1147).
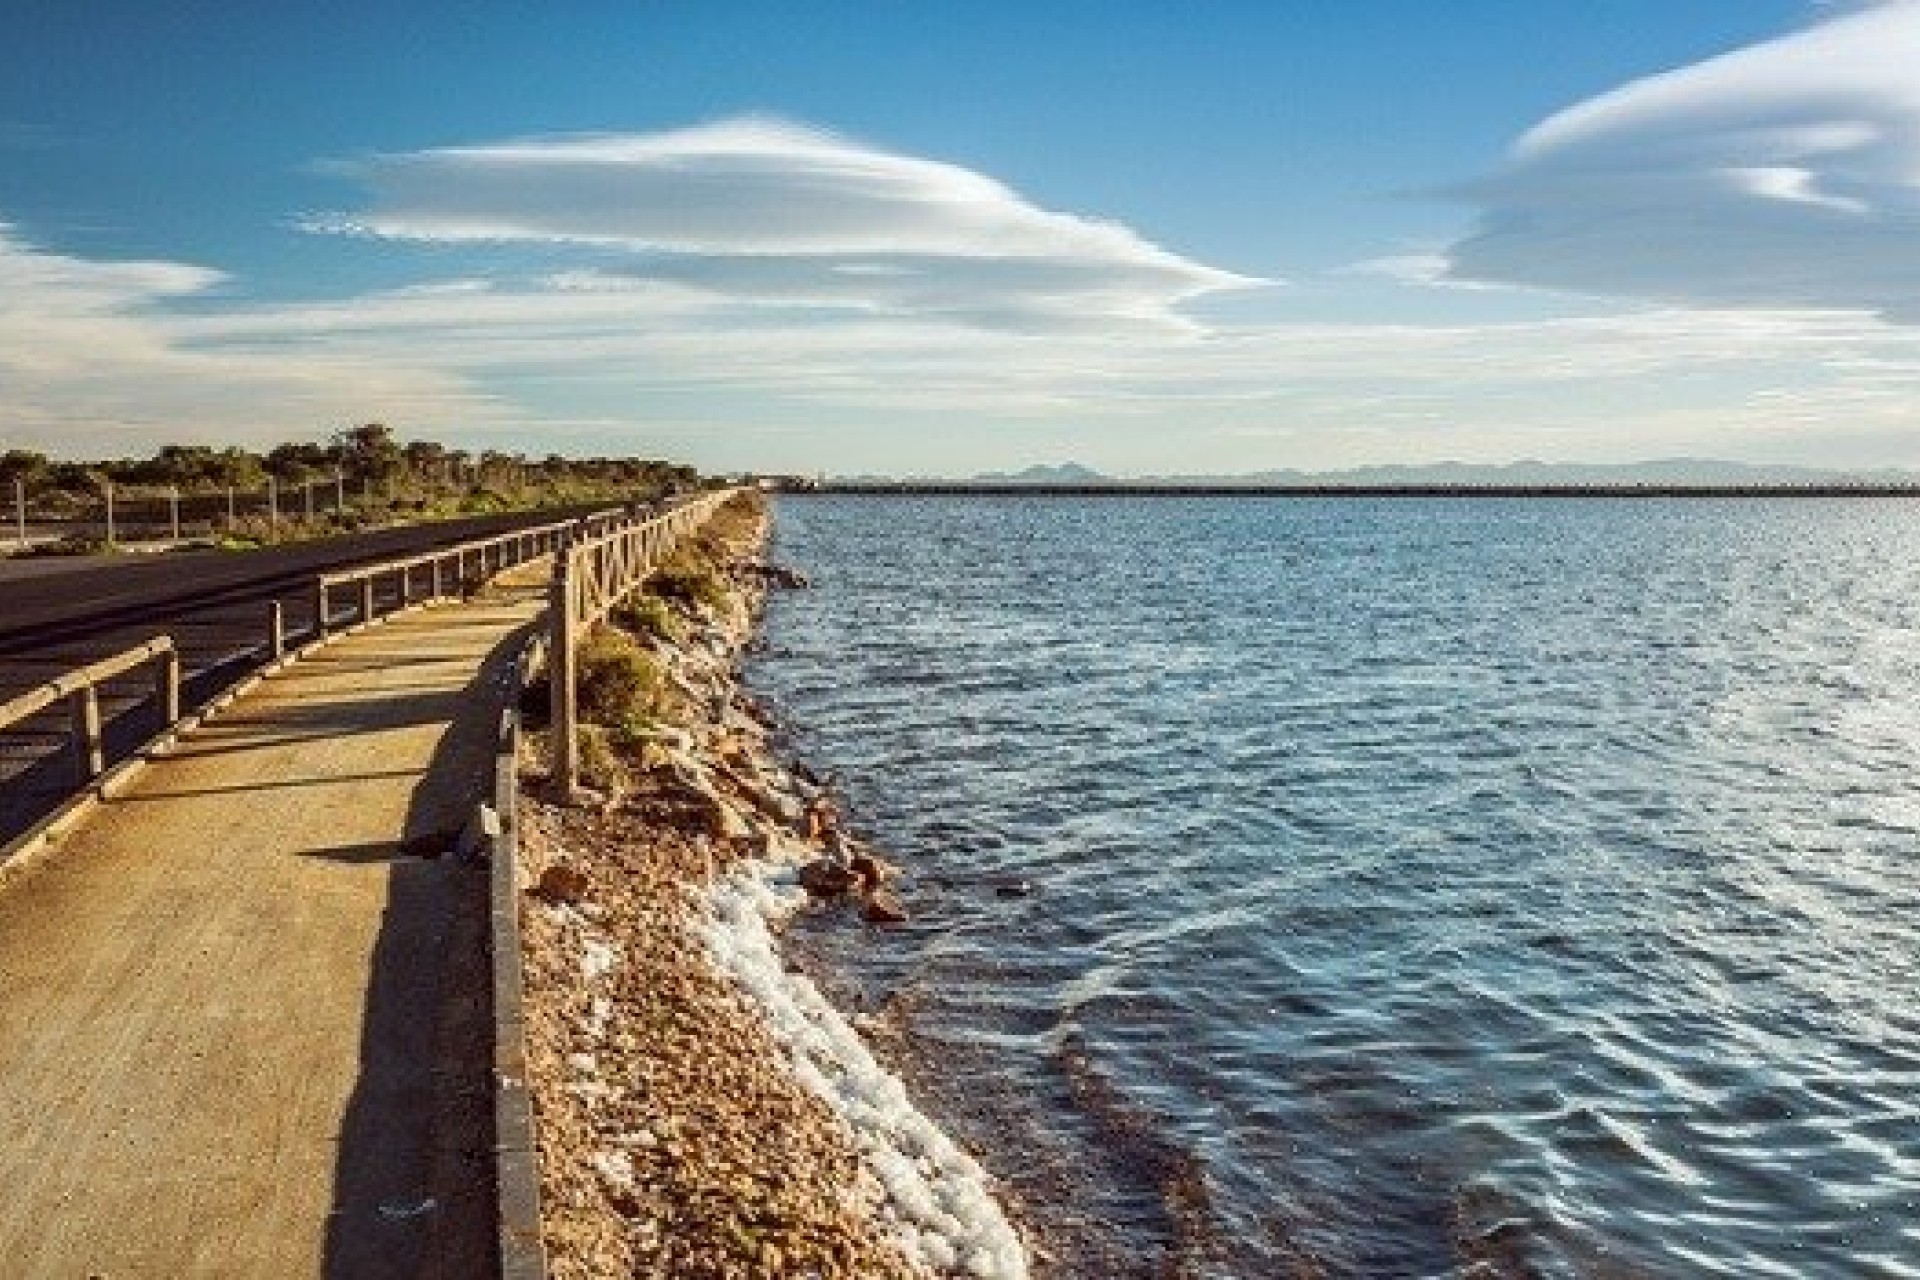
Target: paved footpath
(243, 1024)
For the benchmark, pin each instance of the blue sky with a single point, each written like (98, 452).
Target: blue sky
(943, 238)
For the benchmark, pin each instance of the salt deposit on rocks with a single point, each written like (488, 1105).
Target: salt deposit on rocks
(938, 1199)
(702, 1110)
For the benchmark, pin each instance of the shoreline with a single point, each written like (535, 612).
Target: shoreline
(702, 1110)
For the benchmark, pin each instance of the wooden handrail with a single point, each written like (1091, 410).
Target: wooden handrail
(80, 688)
(590, 576)
(43, 696)
(521, 545)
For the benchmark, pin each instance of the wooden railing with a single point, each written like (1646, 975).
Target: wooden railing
(591, 574)
(434, 575)
(81, 690)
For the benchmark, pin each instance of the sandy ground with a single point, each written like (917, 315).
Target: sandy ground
(241, 1026)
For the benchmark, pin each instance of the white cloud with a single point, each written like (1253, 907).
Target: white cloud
(94, 358)
(1783, 175)
(764, 209)
(622, 312)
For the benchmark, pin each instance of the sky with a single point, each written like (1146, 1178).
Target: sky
(935, 239)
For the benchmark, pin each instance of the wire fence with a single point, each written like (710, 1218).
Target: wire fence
(116, 514)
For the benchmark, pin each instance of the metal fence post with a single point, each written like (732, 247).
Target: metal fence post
(438, 580)
(89, 752)
(366, 599)
(173, 510)
(320, 608)
(20, 511)
(111, 539)
(276, 631)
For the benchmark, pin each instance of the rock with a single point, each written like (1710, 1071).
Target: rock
(678, 741)
(883, 908)
(786, 808)
(777, 576)
(727, 821)
(826, 878)
(1013, 888)
(562, 882)
(870, 871)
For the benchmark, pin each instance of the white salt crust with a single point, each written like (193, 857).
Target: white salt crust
(941, 1208)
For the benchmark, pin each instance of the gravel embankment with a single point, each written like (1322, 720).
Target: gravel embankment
(676, 1137)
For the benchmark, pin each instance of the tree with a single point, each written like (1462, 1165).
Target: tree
(370, 452)
(22, 464)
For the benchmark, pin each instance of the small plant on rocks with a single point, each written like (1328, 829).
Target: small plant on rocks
(620, 685)
(646, 614)
(690, 583)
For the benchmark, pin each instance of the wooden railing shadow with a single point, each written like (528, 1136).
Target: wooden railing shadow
(413, 1193)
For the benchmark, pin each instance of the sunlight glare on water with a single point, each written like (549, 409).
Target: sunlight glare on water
(1418, 888)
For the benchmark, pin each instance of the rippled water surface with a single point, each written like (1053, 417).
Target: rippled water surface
(1414, 888)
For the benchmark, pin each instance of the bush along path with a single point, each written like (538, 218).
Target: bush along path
(701, 1111)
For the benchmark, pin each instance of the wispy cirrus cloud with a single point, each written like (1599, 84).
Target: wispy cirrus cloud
(1785, 175)
(769, 211)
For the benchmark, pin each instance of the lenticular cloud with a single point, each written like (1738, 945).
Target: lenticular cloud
(1786, 175)
(766, 210)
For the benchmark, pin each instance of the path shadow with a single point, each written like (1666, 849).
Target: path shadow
(413, 1181)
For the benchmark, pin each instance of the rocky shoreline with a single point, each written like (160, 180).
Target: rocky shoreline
(702, 1111)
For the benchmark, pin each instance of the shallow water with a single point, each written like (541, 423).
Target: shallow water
(1417, 888)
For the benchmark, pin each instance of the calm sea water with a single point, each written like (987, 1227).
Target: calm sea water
(1412, 888)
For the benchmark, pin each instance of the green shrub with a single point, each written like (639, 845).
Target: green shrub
(646, 614)
(619, 686)
(73, 544)
(483, 502)
(690, 584)
(600, 765)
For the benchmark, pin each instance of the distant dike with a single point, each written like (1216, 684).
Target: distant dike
(1125, 489)
(1653, 478)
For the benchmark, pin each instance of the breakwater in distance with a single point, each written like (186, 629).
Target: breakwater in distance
(1122, 489)
(1365, 887)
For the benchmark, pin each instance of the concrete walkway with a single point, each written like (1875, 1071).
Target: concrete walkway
(243, 1023)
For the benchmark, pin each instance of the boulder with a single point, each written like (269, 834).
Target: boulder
(561, 882)
(870, 871)
(723, 819)
(884, 908)
(826, 878)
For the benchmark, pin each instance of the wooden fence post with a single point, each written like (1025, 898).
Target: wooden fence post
(561, 705)
(167, 685)
(89, 752)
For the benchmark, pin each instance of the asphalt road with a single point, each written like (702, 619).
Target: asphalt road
(212, 603)
(41, 612)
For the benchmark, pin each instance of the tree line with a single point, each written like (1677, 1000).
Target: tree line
(370, 458)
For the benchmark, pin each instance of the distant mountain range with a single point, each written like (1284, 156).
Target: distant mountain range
(1526, 473)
